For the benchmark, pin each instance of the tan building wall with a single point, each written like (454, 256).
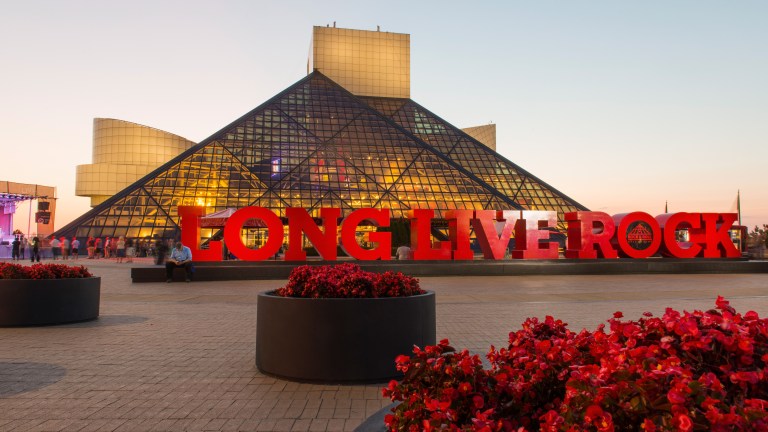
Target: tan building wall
(367, 63)
(485, 134)
(123, 152)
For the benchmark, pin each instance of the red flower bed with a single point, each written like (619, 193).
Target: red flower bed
(690, 371)
(347, 281)
(42, 271)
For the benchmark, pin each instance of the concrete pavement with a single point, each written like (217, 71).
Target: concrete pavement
(180, 356)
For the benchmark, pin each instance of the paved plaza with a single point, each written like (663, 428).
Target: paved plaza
(178, 357)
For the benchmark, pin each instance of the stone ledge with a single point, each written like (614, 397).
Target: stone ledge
(273, 270)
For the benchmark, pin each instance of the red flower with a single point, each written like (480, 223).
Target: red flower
(648, 425)
(42, 271)
(706, 369)
(593, 412)
(478, 401)
(347, 281)
(683, 422)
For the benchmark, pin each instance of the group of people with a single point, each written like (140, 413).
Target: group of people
(63, 248)
(119, 248)
(20, 244)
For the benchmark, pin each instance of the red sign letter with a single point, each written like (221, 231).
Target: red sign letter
(190, 234)
(458, 230)
(421, 237)
(494, 245)
(670, 223)
(530, 240)
(235, 241)
(717, 240)
(384, 239)
(587, 230)
(300, 222)
(638, 234)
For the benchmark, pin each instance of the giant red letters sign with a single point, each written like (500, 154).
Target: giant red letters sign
(590, 234)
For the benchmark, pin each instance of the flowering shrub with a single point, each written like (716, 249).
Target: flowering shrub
(347, 281)
(685, 371)
(42, 271)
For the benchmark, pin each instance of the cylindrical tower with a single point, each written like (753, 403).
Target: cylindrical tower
(123, 152)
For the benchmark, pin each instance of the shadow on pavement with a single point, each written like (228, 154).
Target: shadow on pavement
(20, 377)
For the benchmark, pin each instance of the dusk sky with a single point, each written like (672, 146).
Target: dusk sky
(620, 105)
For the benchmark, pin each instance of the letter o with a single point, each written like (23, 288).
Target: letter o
(624, 221)
(235, 224)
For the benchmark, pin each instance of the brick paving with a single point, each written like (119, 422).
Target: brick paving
(173, 357)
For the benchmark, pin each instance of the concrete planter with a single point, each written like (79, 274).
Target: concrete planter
(28, 302)
(340, 340)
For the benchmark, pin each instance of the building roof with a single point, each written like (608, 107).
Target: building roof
(316, 145)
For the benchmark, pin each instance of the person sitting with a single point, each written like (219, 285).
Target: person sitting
(181, 256)
(404, 253)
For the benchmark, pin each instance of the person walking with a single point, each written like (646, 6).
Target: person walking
(107, 247)
(35, 253)
(65, 248)
(22, 246)
(130, 251)
(181, 256)
(15, 245)
(75, 248)
(120, 249)
(90, 247)
(55, 248)
(160, 249)
(113, 247)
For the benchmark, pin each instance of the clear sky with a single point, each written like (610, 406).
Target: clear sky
(620, 105)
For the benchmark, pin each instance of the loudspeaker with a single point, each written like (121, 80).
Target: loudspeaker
(43, 205)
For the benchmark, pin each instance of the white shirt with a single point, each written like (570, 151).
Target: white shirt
(403, 253)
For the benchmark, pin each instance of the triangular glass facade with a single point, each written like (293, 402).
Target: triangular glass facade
(316, 145)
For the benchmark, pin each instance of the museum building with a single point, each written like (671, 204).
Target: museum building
(347, 135)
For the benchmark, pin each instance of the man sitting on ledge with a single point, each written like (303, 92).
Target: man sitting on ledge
(181, 256)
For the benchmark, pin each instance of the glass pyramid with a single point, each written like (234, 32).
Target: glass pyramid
(317, 145)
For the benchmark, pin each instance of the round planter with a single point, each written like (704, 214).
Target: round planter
(26, 302)
(340, 340)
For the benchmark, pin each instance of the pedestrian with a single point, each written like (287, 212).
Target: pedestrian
(55, 248)
(75, 248)
(35, 252)
(15, 244)
(181, 256)
(161, 249)
(97, 248)
(90, 247)
(130, 250)
(65, 248)
(107, 247)
(120, 249)
(22, 246)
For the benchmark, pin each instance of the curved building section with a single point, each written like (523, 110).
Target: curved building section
(123, 152)
(485, 134)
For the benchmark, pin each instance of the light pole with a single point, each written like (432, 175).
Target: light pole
(29, 218)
